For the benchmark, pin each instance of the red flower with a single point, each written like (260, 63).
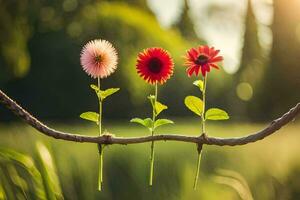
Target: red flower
(155, 65)
(202, 58)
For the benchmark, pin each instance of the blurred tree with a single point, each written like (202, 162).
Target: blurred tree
(185, 25)
(251, 67)
(250, 70)
(281, 85)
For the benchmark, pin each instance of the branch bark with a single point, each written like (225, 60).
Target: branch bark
(110, 139)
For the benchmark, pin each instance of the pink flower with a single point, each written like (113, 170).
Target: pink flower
(99, 58)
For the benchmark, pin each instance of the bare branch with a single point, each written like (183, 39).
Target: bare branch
(109, 139)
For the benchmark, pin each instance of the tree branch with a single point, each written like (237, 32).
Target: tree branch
(110, 139)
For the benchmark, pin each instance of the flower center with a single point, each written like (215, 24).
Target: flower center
(201, 60)
(98, 59)
(155, 65)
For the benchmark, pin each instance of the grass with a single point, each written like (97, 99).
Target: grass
(270, 167)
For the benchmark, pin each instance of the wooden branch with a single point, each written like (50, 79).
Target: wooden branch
(110, 139)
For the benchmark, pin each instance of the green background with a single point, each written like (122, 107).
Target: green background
(40, 44)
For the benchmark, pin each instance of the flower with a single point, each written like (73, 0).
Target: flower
(99, 58)
(202, 57)
(155, 65)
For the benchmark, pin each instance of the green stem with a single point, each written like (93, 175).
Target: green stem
(198, 169)
(204, 102)
(100, 175)
(199, 148)
(152, 143)
(100, 147)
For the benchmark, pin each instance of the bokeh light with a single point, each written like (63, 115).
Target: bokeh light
(244, 91)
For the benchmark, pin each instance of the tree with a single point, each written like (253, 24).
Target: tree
(282, 79)
(185, 24)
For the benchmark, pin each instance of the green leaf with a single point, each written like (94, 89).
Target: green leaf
(216, 114)
(145, 122)
(108, 92)
(90, 116)
(102, 94)
(138, 120)
(161, 122)
(95, 87)
(195, 104)
(200, 84)
(152, 99)
(148, 123)
(159, 107)
(16, 178)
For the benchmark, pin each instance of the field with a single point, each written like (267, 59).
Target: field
(270, 168)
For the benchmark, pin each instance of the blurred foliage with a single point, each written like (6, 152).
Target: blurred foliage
(22, 178)
(234, 180)
(14, 35)
(40, 44)
(69, 170)
(57, 40)
(13, 183)
(48, 171)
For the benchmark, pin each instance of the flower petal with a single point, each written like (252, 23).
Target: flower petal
(190, 71)
(99, 58)
(216, 59)
(154, 65)
(214, 66)
(195, 63)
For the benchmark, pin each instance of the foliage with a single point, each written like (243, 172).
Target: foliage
(75, 164)
(195, 104)
(157, 109)
(54, 65)
(48, 172)
(39, 40)
(90, 116)
(216, 114)
(22, 178)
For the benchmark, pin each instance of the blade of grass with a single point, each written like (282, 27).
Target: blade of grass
(48, 172)
(27, 163)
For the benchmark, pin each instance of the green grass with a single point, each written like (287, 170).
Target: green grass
(270, 167)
